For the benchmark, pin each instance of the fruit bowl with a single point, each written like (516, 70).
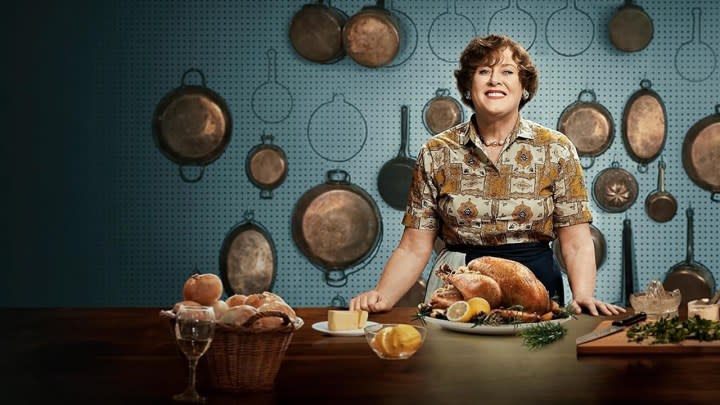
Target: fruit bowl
(392, 341)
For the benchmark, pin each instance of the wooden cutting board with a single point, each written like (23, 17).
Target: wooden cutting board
(618, 344)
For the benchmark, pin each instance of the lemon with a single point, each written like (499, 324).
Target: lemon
(405, 339)
(382, 340)
(478, 305)
(459, 311)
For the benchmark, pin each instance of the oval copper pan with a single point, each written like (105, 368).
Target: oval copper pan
(630, 28)
(336, 225)
(615, 189)
(192, 124)
(588, 124)
(266, 166)
(644, 124)
(248, 260)
(701, 153)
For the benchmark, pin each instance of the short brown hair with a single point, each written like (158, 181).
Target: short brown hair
(487, 51)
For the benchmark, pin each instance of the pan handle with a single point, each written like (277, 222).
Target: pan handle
(336, 278)
(715, 197)
(337, 176)
(689, 213)
(193, 70)
(187, 179)
(592, 162)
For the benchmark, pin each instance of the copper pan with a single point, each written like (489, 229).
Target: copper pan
(442, 112)
(372, 36)
(316, 32)
(701, 153)
(337, 226)
(266, 166)
(644, 125)
(615, 189)
(588, 124)
(192, 125)
(630, 28)
(248, 260)
(660, 205)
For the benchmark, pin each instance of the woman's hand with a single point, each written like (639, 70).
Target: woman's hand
(595, 307)
(372, 301)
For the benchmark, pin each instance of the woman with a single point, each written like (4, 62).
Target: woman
(496, 185)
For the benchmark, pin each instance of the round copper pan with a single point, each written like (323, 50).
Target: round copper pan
(248, 260)
(266, 166)
(192, 125)
(316, 33)
(630, 28)
(615, 189)
(336, 225)
(644, 125)
(372, 37)
(701, 153)
(442, 112)
(589, 126)
(693, 279)
(598, 242)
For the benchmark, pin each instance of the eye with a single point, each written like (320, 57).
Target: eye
(508, 72)
(483, 71)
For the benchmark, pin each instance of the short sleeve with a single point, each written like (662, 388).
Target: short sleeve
(570, 190)
(421, 209)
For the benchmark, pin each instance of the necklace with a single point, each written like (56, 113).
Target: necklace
(495, 143)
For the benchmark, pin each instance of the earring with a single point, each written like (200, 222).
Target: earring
(467, 95)
(526, 95)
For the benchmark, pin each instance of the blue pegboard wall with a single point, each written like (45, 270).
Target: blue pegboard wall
(167, 228)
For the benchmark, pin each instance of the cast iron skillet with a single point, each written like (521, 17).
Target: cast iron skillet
(396, 175)
(192, 125)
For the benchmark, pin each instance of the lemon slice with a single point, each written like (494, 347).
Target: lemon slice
(459, 311)
(382, 341)
(478, 305)
(405, 338)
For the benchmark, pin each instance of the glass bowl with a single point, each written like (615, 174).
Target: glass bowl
(663, 306)
(392, 341)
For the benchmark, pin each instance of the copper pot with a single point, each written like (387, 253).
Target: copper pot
(337, 226)
(192, 125)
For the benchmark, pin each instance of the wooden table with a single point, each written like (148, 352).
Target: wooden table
(127, 356)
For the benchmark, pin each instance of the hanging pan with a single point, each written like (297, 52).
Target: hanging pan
(266, 166)
(615, 189)
(598, 243)
(192, 125)
(337, 226)
(372, 36)
(589, 126)
(701, 153)
(630, 28)
(248, 260)
(693, 279)
(442, 112)
(396, 175)
(316, 32)
(660, 205)
(644, 126)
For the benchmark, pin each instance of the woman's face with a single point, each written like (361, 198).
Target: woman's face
(496, 90)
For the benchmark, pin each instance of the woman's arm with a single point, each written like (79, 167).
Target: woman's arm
(578, 253)
(400, 273)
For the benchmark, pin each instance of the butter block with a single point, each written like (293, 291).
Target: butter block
(346, 320)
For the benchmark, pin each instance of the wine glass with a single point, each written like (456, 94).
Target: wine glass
(194, 328)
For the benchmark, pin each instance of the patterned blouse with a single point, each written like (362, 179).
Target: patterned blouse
(537, 185)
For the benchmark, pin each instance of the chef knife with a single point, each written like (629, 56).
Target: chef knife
(615, 327)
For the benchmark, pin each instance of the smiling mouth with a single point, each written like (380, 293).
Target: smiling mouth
(495, 93)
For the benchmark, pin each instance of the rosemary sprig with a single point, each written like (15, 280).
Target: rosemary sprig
(542, 334)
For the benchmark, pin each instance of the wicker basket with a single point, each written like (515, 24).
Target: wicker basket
(245, 359)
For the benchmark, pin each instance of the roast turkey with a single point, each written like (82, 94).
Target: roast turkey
(502, 282)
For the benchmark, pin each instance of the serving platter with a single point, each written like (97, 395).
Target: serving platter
(466, 327)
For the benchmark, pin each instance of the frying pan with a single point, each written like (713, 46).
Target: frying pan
(396, 174)
(660, 205)
(316, 32)
(266, 166)
(272, 102)
(408, 34)
(589, 126)
(628, 262)
(442, 112)
(615, 189)
(248, 260)
(701, 153)
(372, 36)
(337, 225)
(192, 125)
(598, 242)
(693, 279)
(630, 28)
(644, 125)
